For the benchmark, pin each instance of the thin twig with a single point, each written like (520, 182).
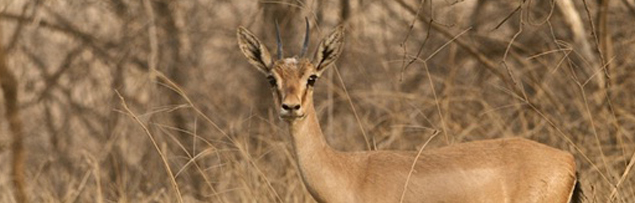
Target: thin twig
(166, 165)
(414, 163)
(170, 84)
(404, 45)
(565, 136)
(622, 178)
(425, 40)
(488, 64)
(436, 102)
(508, 17)
(350, 102)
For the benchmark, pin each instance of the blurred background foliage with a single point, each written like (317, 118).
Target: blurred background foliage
(559, 72)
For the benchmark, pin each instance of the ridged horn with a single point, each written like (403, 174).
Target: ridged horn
(305, 45)
(279, 41)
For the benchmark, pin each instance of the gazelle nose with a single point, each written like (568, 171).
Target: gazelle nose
(290, 107)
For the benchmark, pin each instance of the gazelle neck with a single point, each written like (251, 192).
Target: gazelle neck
(307, 136)
(320, 166)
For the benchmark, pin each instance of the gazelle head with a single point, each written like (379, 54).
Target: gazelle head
(292, 79)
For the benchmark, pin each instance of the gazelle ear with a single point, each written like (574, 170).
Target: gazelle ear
(330, 49)
(256, 52)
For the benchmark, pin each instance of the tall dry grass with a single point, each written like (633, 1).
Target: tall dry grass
(151, 101)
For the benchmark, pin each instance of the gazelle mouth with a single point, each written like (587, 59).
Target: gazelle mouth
(290, 117)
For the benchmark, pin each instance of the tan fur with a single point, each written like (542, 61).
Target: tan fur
(500, 170)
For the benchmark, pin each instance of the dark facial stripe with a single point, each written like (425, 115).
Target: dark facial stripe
(304, 95)
(277, 97)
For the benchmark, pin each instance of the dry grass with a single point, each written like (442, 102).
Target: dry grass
(201, 128)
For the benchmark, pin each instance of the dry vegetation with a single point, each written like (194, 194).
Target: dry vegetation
(151, 100)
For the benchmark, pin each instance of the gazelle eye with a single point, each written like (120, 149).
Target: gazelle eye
(312, 80)
(272, 81)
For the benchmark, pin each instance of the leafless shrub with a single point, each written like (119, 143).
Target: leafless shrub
(517, 68)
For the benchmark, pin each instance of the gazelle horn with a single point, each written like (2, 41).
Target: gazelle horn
(279, 40)
(305, 45)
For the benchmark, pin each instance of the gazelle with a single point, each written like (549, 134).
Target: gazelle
(500, 170)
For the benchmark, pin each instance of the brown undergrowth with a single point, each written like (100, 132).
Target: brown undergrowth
(151, 101)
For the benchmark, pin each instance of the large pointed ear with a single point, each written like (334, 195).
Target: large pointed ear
(330, 49)
(256, 52)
